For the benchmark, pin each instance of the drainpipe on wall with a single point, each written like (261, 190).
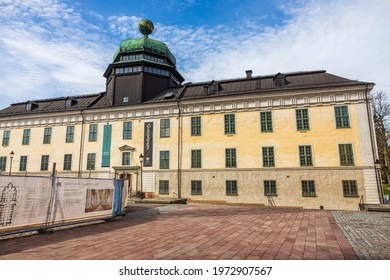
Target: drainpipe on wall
(81, 144)
(179, 148)
(374, 154)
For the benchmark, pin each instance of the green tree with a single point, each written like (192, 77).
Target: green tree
(381, 107)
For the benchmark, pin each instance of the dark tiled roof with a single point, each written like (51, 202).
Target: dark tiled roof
(167, 95)
(258, 84)
(80, 102)
(253, 85)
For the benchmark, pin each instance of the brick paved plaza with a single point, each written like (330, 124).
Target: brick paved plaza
(215, 232)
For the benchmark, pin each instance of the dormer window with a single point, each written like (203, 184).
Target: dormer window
(214, 87)
(31, 106)
(280, 80)
(69, 102)
(169, 95)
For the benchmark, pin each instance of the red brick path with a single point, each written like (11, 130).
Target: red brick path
(195, 232)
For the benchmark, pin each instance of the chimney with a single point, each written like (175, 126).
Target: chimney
(248, 73)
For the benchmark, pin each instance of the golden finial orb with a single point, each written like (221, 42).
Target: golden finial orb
(146, 27)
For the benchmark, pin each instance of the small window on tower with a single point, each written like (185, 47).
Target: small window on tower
(125, 99)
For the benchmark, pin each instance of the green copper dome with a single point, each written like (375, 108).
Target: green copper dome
(145, 43)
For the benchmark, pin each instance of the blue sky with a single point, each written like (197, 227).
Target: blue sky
(192, 12)
(57, 48)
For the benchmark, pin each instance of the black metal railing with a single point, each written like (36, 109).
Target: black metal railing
(271, 201)
(362, 206)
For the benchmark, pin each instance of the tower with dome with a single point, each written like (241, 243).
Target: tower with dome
(141, 69)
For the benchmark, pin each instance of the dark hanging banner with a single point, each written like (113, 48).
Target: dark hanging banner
(148, 144)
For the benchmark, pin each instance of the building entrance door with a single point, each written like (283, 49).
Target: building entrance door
(128, 177)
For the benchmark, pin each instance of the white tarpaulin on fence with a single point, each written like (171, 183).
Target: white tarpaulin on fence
(41, 201)
(82, 198)
(24, 201)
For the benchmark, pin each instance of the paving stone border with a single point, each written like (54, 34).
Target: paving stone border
(367, 232)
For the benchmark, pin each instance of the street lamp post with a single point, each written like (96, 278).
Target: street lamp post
(11, 156)
(377, 164)
(141, 160)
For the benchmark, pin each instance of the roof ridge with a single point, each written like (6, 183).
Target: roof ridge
(257, 77)
(58, 98)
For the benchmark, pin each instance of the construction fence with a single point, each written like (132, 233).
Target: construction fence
(32, 203)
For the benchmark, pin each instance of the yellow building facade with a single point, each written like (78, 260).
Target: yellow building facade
(303, 139)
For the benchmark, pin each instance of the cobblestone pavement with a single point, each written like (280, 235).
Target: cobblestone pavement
(367, 232)
(197, 232)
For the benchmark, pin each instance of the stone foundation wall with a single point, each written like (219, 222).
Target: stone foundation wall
(328, 185)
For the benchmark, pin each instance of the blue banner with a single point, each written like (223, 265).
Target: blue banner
(117, 198)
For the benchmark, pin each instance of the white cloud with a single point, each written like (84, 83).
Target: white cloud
(48, 50)
(346, 37)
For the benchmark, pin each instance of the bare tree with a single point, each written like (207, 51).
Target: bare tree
(381, 107)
